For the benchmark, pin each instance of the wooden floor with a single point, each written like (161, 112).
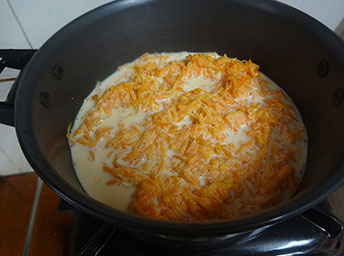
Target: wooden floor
(52, 231)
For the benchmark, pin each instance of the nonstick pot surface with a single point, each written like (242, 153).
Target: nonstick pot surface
(297, 52)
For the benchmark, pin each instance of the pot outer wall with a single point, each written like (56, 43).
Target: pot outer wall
(291, 48)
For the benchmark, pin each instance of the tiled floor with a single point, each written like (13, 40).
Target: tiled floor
(28, 24)
(10, 30)
(330, 13)
(40, 19)
(12, 160)
(25, 25)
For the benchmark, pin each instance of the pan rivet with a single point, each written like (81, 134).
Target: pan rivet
(338, 97)
(44, 99)
(323, 68)
(58, 72)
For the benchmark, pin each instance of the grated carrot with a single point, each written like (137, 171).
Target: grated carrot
(178, 158)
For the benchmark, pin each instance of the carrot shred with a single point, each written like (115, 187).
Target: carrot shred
(182, 157)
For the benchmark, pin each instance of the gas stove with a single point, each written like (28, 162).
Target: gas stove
(315, 232)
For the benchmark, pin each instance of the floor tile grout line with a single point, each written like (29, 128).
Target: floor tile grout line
(7, 155)
(18, 170)
(19, 24)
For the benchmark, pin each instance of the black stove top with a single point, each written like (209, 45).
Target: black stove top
(316, 232)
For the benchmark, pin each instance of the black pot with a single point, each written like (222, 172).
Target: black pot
(301, 55)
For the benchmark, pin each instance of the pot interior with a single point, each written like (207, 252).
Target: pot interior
(67, 67)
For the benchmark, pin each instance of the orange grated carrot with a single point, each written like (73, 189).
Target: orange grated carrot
(178, 158)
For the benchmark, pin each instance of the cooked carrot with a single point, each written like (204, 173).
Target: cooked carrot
(180, 158)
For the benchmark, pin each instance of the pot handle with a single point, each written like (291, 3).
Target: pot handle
(97, 242)
(16, 59)
(325, 221)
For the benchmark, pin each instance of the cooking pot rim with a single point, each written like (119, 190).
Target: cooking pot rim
(26, 137)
